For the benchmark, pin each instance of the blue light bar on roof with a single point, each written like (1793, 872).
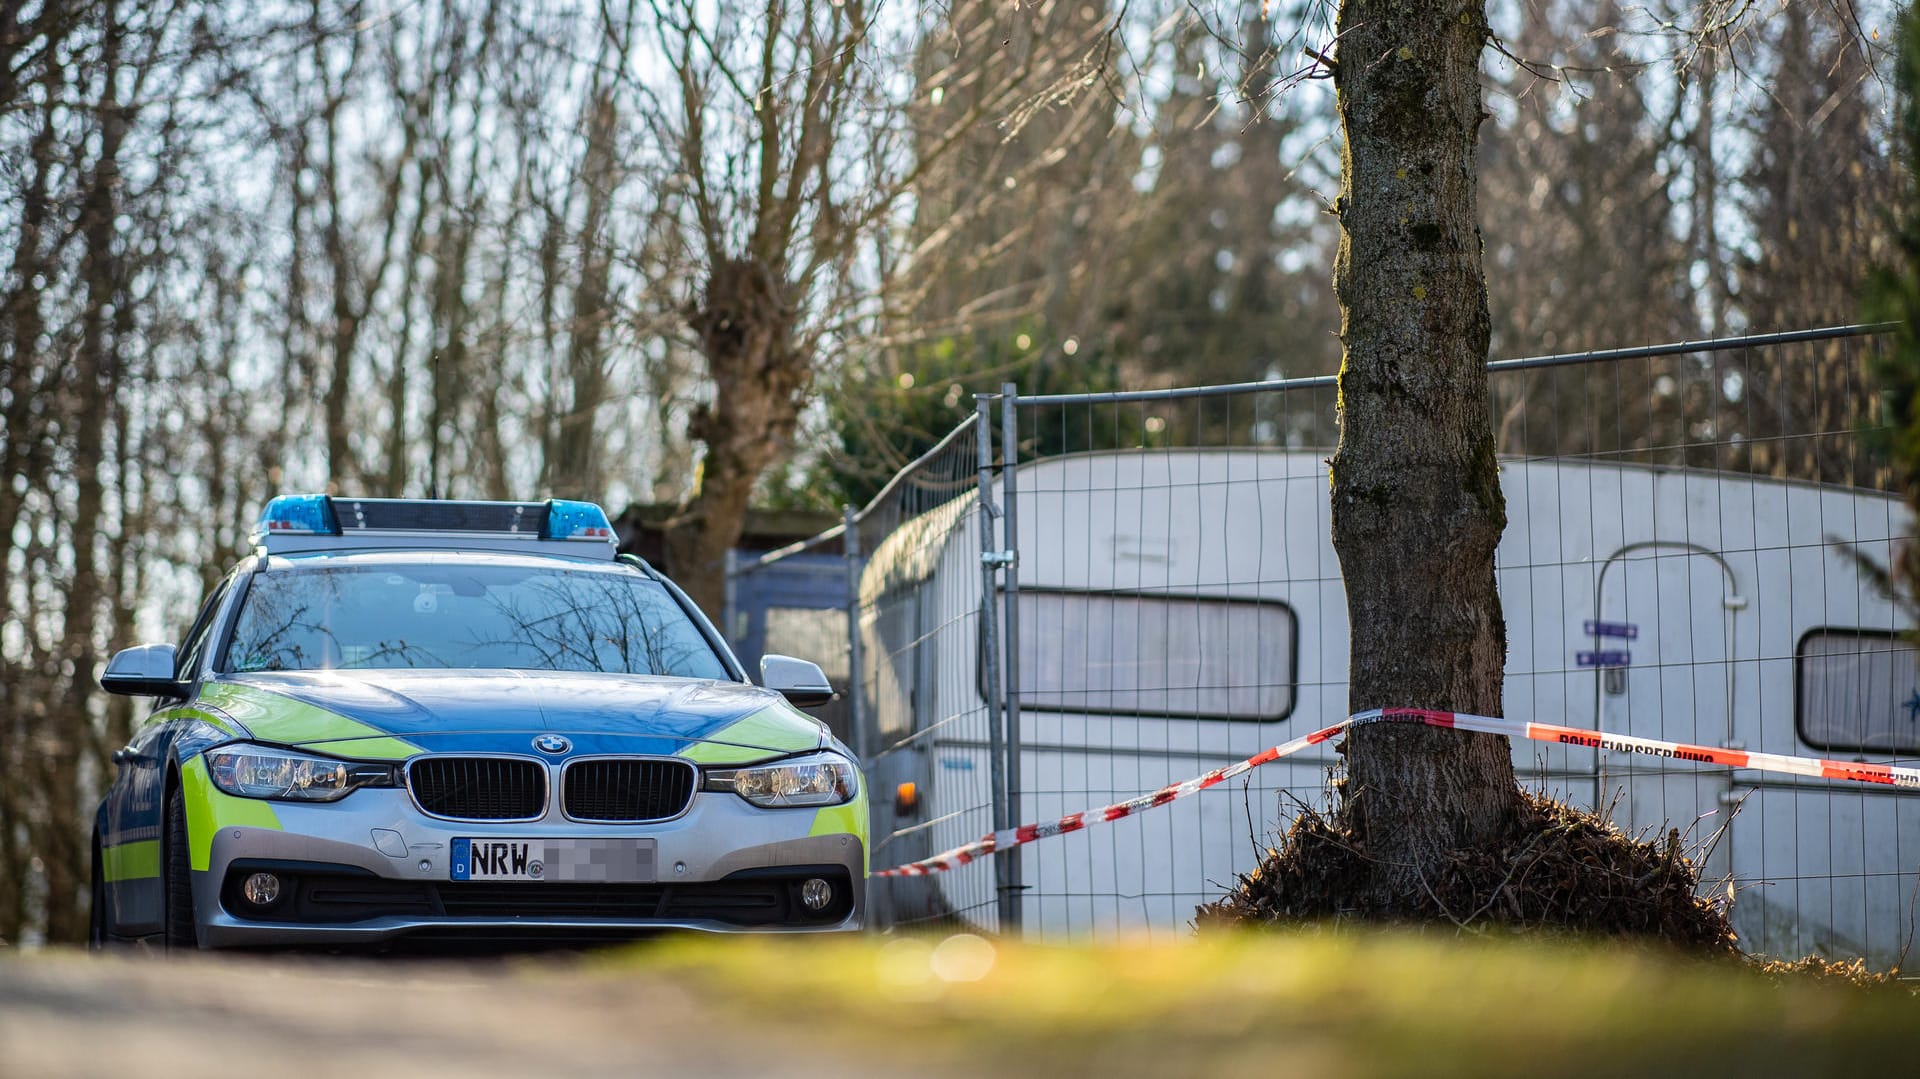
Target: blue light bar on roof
(577, 521)
(296, 515)
(303, 524)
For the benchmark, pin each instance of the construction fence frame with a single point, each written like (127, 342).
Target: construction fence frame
(1072, 599)
(890, 646)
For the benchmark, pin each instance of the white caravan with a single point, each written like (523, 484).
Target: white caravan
(1182, 609)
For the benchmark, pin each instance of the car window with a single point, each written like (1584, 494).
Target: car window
(195, 644)
(467, 617)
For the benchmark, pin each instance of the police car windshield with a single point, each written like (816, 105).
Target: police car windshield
(465, 617)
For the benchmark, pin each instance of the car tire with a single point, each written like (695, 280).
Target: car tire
(180, 934)
(97, 912)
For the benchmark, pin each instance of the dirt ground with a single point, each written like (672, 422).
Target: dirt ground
(68, 1014)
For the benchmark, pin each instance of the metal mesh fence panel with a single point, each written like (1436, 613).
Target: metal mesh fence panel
(1693, 545)
(908, 637)
(1693, 553)
(1174, 587)
(929, 728)
(1690, 551)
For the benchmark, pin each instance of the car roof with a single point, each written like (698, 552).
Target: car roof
(401, 556)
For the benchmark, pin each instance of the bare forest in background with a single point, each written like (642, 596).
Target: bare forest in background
(703, 254)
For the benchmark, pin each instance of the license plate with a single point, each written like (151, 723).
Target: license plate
(604, 860)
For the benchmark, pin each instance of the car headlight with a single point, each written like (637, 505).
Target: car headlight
(265, 772)
(824, 779)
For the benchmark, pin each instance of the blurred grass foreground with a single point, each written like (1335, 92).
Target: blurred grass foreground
(1360, 1004)
(1347, 1003)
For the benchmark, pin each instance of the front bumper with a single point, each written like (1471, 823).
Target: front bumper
(706, 854)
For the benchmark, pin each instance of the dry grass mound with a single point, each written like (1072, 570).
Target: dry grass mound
(1557, 869)
(1852, 972)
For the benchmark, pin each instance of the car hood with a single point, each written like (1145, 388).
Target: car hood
(397, 713)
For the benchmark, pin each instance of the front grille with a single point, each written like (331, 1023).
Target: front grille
(479, 788)
(742, 903)
(335, 895)
(626, 789)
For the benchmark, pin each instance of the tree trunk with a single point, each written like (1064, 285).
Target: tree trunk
(1417, 507)
(745, 323)
(25, 460)
(344, 333)
(1705, 209)
(96, 366)
(579, 470)
(399, 450)
(23, 433)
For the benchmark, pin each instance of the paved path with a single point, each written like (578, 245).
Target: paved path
(72, 1014)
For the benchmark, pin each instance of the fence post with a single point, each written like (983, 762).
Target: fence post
(1009, 492)
(1005, 907)
(729, 596)
(856, 715)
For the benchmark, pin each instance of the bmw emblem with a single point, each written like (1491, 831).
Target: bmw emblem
(552, 743)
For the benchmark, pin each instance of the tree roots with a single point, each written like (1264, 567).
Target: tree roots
(1557, 868)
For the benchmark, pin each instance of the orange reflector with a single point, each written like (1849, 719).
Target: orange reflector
(906, 798)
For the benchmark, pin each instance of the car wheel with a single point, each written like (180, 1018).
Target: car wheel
(180, 935)
(97, 916)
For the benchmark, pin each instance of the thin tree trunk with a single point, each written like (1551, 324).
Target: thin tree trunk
(1706, 182)
(453, 315)
(553, 271)
(399, 450)
(25, 322)
(297, 363)
(24, 457)
(344, 329)
(126, 550)
(578, 470)
(226, 428)
(1417, 506)
(96, 375)
(489, 443)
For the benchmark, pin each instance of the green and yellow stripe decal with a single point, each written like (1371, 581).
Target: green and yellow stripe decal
(130, 861)
(274, 718)
(850, 819)
(773, 731)
(210, 809)
(218, 726)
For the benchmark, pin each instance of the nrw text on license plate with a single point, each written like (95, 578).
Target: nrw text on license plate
(587, 858)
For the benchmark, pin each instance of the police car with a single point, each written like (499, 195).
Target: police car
(410, 720)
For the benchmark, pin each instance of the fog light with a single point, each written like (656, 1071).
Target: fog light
(261, 889)
(816, 894)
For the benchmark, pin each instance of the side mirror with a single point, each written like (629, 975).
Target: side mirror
(802, 683)
(145, 670)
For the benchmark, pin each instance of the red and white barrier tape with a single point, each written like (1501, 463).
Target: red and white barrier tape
(1812, 767)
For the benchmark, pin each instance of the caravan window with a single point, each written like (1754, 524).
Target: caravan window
(898, 661)
(1857, 690)
(1159, 655)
